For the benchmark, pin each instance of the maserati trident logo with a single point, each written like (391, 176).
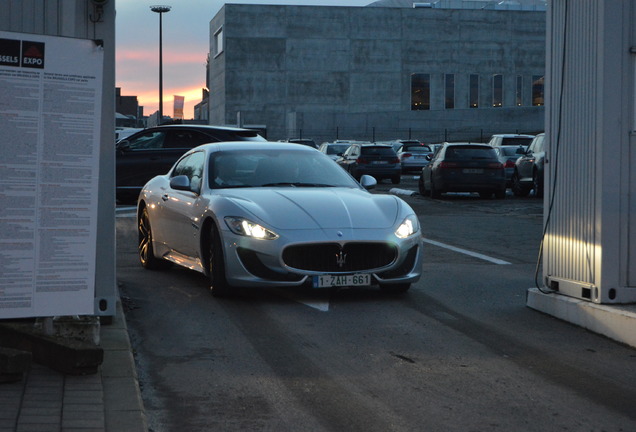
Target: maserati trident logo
(341, 258)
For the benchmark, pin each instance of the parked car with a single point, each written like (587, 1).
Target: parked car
(270, 227)
(334, 150)
(377, 160)
(508, 155)
(464, 167)
(498, 140)
(396, 144)
(153, 151)
(528, 171)
(413, 156)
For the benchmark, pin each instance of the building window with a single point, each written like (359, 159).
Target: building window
(497, 90)
(218, 42)
(449, 92)
(474, 91)
(519, 96)
(537, 90)
(420, 92)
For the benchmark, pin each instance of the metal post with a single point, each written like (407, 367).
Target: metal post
(160, 10)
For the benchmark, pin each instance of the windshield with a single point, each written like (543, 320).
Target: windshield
(337, 149)
(276, 168)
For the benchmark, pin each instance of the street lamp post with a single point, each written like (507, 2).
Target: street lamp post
(160, 9)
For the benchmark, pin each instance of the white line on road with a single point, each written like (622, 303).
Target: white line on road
(466, 252)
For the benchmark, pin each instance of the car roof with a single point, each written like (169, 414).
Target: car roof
(513, 135)
(200, 127)
(255, 145)
(455, 144)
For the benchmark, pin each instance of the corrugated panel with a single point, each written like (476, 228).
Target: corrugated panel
(50, 17)
(571, 238)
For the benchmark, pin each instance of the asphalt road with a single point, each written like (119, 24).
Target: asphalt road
(459, 352)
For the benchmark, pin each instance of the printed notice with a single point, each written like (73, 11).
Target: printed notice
(50, 112)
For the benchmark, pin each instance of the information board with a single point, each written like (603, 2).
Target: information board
(50, 116)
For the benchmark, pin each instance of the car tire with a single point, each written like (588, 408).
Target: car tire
(421, 186)
(537, 184)
(216, 264)
(396, 179)
(144, 245)
(518, 189)
(399, 288)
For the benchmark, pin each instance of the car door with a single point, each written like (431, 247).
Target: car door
(349, 157)
(178, 208)
(534, 156)
(138, 158)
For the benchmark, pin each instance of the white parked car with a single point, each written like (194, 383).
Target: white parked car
(276, 214)
(498, 140)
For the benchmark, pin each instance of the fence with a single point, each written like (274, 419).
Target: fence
(373, 134)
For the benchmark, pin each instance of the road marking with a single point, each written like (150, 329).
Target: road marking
(467, 252)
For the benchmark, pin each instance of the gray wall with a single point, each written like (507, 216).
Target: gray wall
(345, 71)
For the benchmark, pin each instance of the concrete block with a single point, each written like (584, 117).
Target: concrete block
(13, 364)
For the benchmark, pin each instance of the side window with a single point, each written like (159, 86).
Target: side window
(185, 139)
(147, 141)
(539, 146)
(192, 167)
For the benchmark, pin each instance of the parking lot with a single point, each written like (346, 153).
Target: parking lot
(460, 351)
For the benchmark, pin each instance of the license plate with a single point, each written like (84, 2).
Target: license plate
(473, 171)
(379, 162)
(326, 281)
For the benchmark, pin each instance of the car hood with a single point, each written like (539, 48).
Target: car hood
(312, 208)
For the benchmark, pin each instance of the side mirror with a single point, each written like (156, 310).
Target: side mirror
(180, 182)
(368, 182)
(521, 150)
(122, 145)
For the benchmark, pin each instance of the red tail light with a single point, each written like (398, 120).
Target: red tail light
(362, 161)
(509, 164)
(406, 155)
(396, 160)
(495, 165)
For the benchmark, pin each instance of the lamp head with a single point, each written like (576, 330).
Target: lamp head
(160, 8)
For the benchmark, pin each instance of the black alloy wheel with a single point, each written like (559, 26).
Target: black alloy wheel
(518, 188)
(144, 247)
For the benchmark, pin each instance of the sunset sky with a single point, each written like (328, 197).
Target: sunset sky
(186, 38)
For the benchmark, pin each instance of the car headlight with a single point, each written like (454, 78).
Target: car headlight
(245, 227)
(408, 227)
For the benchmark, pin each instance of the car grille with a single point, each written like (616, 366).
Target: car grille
(336, 258)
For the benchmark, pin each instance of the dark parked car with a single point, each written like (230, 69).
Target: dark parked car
(528, 171)
(464, 167)
(508, 155)
(153, 151)
(379, 161)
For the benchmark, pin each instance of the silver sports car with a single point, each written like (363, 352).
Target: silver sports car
(275, 214)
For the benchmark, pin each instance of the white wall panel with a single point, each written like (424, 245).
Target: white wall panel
(588, 126)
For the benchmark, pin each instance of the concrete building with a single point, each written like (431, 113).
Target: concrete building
(377, 73)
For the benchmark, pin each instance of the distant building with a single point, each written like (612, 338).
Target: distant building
(130, 112)
(378, 73)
